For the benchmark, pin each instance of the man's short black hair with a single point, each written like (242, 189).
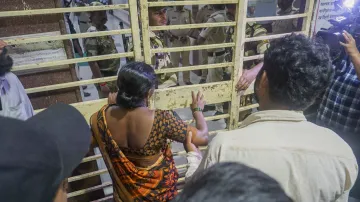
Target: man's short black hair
(218, 6)
(298, 69)
(232, 182)
(6, 62)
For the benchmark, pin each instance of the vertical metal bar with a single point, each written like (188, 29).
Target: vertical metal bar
(238, 55)
(144, 13)
(309, 7)
(134, 23)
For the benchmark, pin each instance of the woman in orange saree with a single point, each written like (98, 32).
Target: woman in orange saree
(134, 140)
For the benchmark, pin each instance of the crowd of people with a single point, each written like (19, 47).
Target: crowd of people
(276, 154)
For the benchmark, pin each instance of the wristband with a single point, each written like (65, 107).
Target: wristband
(196, 109)
(103, 84)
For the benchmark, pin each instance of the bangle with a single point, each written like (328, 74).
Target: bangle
(103, 84)
(196, 109)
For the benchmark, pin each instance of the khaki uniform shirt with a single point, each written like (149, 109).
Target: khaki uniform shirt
(182, 17)
(203, 14)
(102, 45)
(215, 35)
(285, 26)
(160, 61)
(311, 163)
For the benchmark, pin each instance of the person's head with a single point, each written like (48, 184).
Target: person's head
(296, 70)
(6, 62)
(179, 8)
(232, 182)
(34, 167)
(218, 7)
(230, 11)
(136, 82)
(285, 4)
(98, 18)
(251, 8)
(157, 16)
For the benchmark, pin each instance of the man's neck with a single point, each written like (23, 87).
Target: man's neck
(99, 27)
(272, 106)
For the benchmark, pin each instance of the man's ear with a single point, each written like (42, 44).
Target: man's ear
(150, 92)
(264, 82)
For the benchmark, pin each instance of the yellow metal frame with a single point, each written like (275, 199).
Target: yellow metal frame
(163, 98)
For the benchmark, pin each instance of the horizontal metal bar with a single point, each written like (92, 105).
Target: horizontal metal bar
(248, 92)
(190, 48)
(181, 166)
(91, 158)
(69, 84)
(273, 18)
(104, 185)
(104, 171)
(180, 3)
(191, 68)
(72, 61)
(253, 57)
(62, 10)
(65, 37)
(88, 190)
(108, 198)
(222, 116)
(113, 78)
(269, 37)
(210, 118)
(87, 175)
(192, 26)
(252, 106)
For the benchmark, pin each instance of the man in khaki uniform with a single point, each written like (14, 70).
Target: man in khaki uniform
(215, 35)
(203, 16)
(101, 45)
(285, 26)
(157, 17)
(251, 68)
(178, 38)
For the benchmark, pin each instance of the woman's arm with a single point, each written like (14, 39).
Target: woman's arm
(201, 137)
(177, 129)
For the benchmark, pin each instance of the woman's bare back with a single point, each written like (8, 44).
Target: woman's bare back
(130, 128)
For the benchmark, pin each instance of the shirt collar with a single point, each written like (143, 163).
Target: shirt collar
(153, 35)
(218, 12)
(4, 85)
(273, 115)
(285, 12)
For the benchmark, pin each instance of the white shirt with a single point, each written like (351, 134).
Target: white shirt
(14, 100)
(311, 163)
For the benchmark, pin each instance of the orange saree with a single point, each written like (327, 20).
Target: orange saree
(131, 183)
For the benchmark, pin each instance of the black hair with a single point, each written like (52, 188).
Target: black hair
(232, 182)
(218, 6)
(135, 80)
(6, 62)
(230, 6)
(298, 69)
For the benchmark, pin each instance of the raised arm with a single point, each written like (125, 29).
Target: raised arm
(351, 49)
(177, 129)
(200, 138)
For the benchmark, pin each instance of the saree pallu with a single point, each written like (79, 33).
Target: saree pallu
(131, 183)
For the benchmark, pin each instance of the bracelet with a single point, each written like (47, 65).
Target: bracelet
(196, 109)
(103, 84)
